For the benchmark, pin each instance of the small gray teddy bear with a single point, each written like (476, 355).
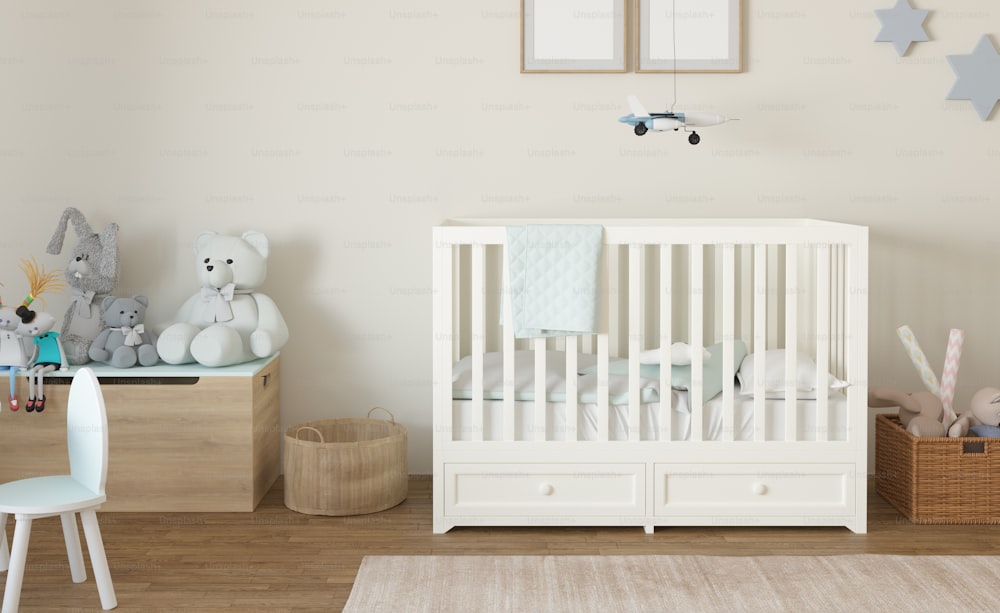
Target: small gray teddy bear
(125, 341)
(92, 274)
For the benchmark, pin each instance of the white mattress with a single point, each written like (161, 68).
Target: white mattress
(555, 379)
(586, 422)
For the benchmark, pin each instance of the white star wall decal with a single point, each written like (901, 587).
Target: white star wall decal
(901, 25)
(978, 77)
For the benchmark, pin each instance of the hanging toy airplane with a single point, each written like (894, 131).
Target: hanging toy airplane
(644, 121)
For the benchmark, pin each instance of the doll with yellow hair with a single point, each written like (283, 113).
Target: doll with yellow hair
(48, 351)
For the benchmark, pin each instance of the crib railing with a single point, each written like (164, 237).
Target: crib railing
(800, 285)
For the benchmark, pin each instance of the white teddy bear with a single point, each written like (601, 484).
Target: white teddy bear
(228, 321)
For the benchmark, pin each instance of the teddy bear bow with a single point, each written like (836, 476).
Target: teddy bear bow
(133, 336)
(218, 299)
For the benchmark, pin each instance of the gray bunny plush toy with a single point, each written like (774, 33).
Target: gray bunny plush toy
(92, 274)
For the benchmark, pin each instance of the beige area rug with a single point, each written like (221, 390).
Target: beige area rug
(630, 584)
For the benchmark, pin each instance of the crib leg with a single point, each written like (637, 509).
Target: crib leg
(648, 528)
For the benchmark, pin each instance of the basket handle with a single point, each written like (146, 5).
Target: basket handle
(975, 448)
(391, 416)
(318, 433)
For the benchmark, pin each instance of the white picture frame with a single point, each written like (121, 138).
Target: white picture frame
(709, 36)
(574, 35)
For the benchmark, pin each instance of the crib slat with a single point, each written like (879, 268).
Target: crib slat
(791, 341)
(745, 305)
(602, 386)
(538, 430)
(494, 301)
(697, 318)
(509, 375)
(822, 341)
(773, 316)
(614, 300)
(728, 337)
(634, 337)
(760, 338)
(572, 414)
(608, 334)
(838, 301)
(456, 307)
(713, 290)
(478, 331)
(666, 320)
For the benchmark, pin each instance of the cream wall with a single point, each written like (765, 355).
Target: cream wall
(345, 130)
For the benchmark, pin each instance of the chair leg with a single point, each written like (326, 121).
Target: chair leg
(4, 550)
(72, 537)
(18, 555)
(98, 559)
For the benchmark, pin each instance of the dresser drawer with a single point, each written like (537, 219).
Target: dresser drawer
(545, 489)
(753, 489)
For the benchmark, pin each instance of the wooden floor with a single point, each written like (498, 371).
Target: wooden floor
(278, 560)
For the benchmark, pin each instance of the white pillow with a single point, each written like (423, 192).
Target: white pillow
(680, 355)
(774, 375)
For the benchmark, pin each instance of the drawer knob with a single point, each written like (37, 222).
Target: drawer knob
(759, 488)
(546, 489)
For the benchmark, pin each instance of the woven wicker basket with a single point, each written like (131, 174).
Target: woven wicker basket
(345, 466)
(937, 480)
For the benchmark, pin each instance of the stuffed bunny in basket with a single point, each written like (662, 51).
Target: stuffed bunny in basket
(983, 416)
(920, 412)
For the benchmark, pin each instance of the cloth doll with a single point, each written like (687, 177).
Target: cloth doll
(48, 353)
(920, 413)
(47, 356)
(984, 410)
(12, 354)
(92, 274)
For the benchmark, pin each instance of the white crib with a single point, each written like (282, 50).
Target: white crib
(521, 438)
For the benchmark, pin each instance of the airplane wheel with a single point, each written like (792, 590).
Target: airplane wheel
(694, 139)
(640, 129)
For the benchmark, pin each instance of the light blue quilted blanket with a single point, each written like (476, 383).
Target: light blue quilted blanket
(554, 279)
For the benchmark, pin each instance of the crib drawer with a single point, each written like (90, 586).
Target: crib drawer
(545, 489)
(724, 490)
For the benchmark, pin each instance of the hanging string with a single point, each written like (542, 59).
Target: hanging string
(673, 39)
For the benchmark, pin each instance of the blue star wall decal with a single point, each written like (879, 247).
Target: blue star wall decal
(978, 77)
(901, 25)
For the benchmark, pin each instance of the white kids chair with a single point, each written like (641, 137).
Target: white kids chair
(82, 491)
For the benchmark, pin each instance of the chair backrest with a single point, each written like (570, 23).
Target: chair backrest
(87, 431)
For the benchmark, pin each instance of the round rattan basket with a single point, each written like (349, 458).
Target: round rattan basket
(345, 466)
